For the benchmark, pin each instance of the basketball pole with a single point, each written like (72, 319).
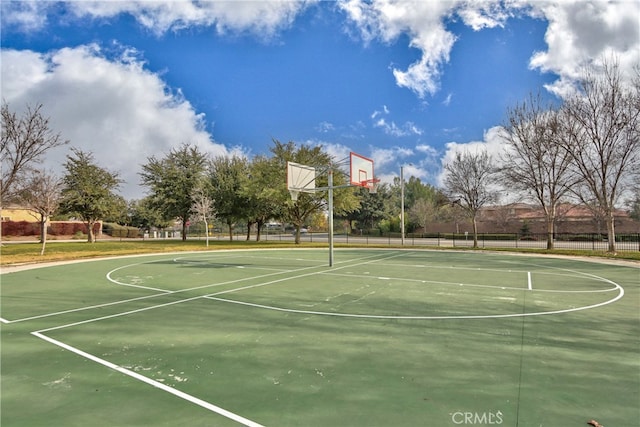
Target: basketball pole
(330, 176)
(402, 205)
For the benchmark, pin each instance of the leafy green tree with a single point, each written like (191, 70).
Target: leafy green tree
(173, 181)
(142, 214)
(120, 213)
(88, 190)
(372, 209)
(297, 213)
(414, 190)
(228, 178)
(262, 203)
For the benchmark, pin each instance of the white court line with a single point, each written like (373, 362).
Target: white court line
(124, 313)
(196, 297)
(451, 317)
(617, 287)
(297, 277)
(154, 383)
(529, 284)
(164, 291)
(182, 395)
(73, 310)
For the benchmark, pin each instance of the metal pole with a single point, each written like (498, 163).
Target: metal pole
(330, 217)
(402, 205)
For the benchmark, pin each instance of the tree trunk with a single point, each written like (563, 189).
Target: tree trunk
(184, 230)
(206, 232)
(258, 231)
(475, 233)
(230, 224)
(90, 236)
(549, 233)
(43, 228)
(297, 239)
(249, 224)
(43, 234)
(611, 229)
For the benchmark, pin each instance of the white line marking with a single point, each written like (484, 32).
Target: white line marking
(373, 316)
(4, 320)
(471, 285)
(284, 279)
(124, 313)
(73, 310)
(529, 284)
(182, 395)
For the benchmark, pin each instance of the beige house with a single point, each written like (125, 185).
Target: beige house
(16, 213)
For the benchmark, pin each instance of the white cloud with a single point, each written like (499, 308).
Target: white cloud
(579, 32)
(426, 149)
(324, 127)
(264, 18)
(583, 32)
(338, 152)
(423, 22)
(113, 108)
(383, 158)
(391, 128)
(26, 15)
(376, 113)
(492, 143)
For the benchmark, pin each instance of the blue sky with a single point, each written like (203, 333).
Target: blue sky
(405, 83)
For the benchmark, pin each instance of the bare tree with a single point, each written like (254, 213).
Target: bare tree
(423, 212)
(42, 196)
(25, 139)
(602, 121)
(502, 215)
(469, 178)
(202, 209)
(534, 162)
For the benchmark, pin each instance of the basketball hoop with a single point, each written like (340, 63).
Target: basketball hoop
(294, 195)
(371, 184)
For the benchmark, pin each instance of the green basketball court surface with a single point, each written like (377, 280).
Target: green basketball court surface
(278, 338)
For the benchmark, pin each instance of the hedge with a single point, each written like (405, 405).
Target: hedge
(55, 228)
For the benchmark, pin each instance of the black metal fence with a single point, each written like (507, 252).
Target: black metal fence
(583, 241)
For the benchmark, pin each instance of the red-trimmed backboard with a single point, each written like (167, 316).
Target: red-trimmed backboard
(361, 171)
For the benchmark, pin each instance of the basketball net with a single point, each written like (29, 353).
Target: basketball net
(294, 195)
(371, 184)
